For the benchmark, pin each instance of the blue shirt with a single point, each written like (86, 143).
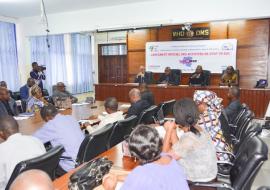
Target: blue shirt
(24, 92)
(63, 130)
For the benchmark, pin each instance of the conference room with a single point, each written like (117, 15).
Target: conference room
(101, 94)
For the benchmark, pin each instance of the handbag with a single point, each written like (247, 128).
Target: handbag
(90, 175)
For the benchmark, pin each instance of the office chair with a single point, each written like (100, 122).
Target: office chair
(47, 162)
(245, 167)
(148, 115)
(121, 130)
(94, 144)
(207, 77)
(178, 73)
(167, 107)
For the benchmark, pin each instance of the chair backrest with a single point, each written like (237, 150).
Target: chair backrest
(225, 127)
(47, 162)
(148, 115)
(94, 144)
(243, 123)
(207, 77)
(248, 163)
(16, 95)
(167, 107)
(45, 92)
(121, 130)
(178, 73)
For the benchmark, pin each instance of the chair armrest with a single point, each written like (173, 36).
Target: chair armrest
(233, 126)
(225, 163)
(68, 159)
(213, 184)
(226, 152)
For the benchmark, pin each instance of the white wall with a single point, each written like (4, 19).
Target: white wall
(138, 14)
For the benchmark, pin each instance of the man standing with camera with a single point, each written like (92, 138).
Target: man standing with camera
(38, 74)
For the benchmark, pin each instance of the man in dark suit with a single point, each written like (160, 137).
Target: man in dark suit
(38, 74)
(143, 77)
(8, 105)
(234, 106)
(137, 104)
(198, 77)
(25, 90)
(168, 77)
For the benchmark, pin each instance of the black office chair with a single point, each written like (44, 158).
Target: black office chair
(167, 107)
(243, 123)
(225, 127)
(47, 162)
(94, 144)
(245, 167)
(241, 112)
(121, 130)
(16, 95)
(178, 73)
(148, 115)
(207, 77)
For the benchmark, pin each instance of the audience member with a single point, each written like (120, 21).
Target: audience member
(143, 77)
(230, 77)
(8, 105)
(146, 94)
(198, 77)
(4, 85)
(32, 179)
(36, 101)
(137, 104)
(209, 106)
(38, 74)
(62, 93)
(168, 77)
(195, 150)
(61, 130)
(113, 115)
(156, 171)
(16, 147)
(234, 106)
(25, 90)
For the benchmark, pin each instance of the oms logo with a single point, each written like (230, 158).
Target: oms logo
(187, 61)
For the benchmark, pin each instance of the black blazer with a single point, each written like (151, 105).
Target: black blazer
(137, 108)
(146, 79)
(233, 109)
(173, 79)
(196, 81)
(12, 105)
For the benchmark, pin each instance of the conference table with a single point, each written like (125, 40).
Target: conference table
(256, 99)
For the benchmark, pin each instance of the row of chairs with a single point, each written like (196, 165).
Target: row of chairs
(249, 152)
(93, 144)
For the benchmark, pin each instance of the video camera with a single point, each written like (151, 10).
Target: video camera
(42, 67)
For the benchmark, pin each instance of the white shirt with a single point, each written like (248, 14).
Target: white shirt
(15, 149)
(109, 118)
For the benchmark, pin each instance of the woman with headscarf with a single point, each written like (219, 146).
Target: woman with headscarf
(209, 105)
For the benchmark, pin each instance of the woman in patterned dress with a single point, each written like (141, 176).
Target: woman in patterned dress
(209, 105)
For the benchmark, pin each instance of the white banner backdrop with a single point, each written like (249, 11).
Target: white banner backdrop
(213, 55)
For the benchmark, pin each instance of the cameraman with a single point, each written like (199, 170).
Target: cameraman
(38, 74)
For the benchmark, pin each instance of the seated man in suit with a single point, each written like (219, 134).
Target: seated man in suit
(137, 104)
(113, 115)
(235, 105)
(61, 130)
(25, 90)
(62, 93)
(15, 148)
(197, 78)
(32, 179)
(146, 94)
(143, 77)
(230, 77)
(8, 105)
(168, 77)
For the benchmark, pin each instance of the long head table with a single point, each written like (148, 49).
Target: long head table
(256, 99)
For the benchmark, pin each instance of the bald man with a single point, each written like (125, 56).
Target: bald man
(8, 105)
(16, 147)
(143, 77)
(62, 94)
(137, 104)
(32, 179)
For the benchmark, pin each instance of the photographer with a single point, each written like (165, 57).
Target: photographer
(38, 74)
